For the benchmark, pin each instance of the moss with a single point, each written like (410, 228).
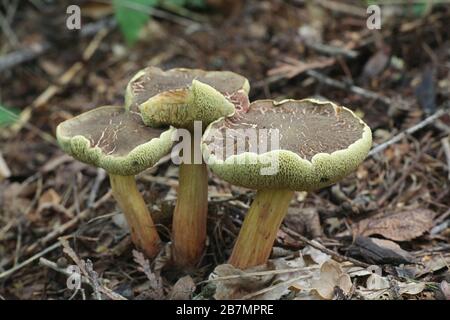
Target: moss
(294, 172)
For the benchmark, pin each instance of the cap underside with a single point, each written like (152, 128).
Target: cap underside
(304, 127)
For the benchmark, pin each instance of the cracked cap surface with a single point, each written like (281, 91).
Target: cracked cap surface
(180, 96)
(315, 144)
(113, 139)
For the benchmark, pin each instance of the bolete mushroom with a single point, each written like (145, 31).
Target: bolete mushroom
(184, 98)
(313, 144)
(118, 141)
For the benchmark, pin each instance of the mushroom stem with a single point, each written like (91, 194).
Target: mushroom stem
(255, 241)
(142, 229)
(191, 210)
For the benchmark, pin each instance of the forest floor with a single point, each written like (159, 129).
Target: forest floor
(381, 233)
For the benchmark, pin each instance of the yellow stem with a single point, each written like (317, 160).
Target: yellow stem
(259, 230)
(190, 215)
(142, 229)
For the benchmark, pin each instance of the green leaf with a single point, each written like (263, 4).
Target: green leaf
(184, 3)
(132, 16)
(8, 115)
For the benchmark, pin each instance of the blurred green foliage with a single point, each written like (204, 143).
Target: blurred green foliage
(8, 115)
(418, 8)
(132, 15)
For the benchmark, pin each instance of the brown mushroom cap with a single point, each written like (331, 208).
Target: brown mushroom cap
(111, 138)
(319, 143)
(152, 81)
(179, 97)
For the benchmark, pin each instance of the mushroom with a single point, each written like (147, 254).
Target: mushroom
(184, 98)
(118, 141)
(313, 144)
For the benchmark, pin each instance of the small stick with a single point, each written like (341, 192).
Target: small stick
(63, 81)
(64, 227)
(332, 50)
(5, 173)
(409, 131)
(345, 8)
(446, 146)
(344, 86)
(279, 285)
(9, 272)
(259, 273)
(52, 265)
(18, 57)
(338, 257)
(101, 175)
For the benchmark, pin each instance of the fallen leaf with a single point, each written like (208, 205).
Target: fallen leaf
(381, 288)
(316, 255)
(182, 289)
(445, 289)
(430, 264)
(376, 64)
(49, 196)
(304, 221)
(238, 283)
(377, 282)
(411, 288)
(331, 276)
(401, 226)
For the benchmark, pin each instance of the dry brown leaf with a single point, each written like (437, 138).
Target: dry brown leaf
(49, 196)
(182, 289)
(401, 226)
(380, 288)
(237, 288)
(429, 264)
(331, 276)
(445, 289)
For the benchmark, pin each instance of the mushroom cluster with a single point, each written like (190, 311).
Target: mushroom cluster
(312, 144)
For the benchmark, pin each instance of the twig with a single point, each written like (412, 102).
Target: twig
(446, 146)
(259, 273)
(9, 272)
(63, 81)
(409, 131)
(4, 24)
(342, 7)
(101, 175)
(5, 173)
(344, 86)
(15, 58)
(64, 227)
(87, 269)
(279, 285)
(52, 265)
(338, 257)
(332, 50)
